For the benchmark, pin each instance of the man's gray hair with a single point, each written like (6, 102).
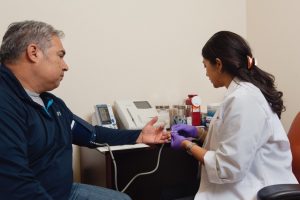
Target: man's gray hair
(20, 34)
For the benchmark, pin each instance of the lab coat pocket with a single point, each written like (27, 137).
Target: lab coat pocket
(216, 128)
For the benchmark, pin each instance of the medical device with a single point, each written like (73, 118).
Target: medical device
(134, 114)
(104, 116)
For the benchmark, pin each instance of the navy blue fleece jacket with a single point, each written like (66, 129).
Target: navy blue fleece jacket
(36, 144)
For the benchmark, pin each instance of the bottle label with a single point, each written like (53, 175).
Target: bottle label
(196, 109)
(189, 120)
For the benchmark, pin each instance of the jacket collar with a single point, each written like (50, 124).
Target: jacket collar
(11, 80)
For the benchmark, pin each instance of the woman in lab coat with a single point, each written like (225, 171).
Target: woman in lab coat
(246, 147)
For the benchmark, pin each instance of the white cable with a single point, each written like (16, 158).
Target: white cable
(145, 173)
(113, 159)
(137, 175)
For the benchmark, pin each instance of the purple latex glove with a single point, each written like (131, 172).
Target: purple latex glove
(176, 140)
(185, 130)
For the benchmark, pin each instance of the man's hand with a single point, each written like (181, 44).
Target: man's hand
(153, 135)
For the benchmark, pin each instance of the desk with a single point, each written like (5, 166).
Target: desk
(176, 175)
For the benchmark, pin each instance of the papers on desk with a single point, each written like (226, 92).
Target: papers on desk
(122, 147)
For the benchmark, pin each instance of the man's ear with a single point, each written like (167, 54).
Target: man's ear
(32, 52)
(219, 65)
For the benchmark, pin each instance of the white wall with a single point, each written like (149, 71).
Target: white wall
(134, 48)
(273, 28)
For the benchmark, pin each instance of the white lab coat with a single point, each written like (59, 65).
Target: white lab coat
(247, 147)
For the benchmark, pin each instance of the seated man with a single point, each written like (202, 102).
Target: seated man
(37, 129)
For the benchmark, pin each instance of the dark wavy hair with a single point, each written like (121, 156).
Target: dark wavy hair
(233, 50)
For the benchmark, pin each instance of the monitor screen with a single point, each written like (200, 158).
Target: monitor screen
(104, 115)
(142, 104)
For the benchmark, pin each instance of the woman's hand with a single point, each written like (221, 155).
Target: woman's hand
(186, 130)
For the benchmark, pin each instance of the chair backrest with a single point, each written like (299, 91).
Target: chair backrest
(294, 138)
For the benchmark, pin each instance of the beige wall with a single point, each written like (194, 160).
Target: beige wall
(137, 49)
(141, 49)
(273, 28)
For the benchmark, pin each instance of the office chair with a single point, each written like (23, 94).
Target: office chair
(287, 191)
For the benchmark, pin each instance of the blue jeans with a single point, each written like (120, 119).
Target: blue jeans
(90, 192)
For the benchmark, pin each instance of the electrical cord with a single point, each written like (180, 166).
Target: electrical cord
(146, 173)
(115, 165)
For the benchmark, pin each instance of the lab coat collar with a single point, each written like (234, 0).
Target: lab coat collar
(232, 86)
